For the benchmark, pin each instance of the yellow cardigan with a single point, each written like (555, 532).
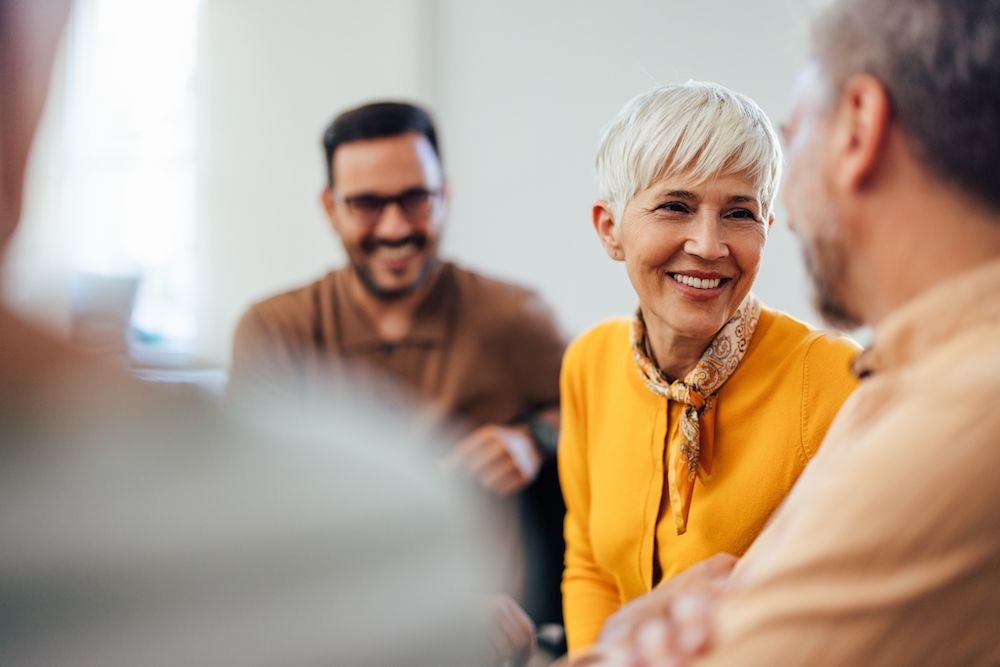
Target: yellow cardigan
(769, 420)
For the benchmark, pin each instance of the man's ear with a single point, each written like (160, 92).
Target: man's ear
(607, 230)
(445, 199)
(862, 129)
(330, 208)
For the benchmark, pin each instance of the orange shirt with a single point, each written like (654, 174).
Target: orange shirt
(888, 549)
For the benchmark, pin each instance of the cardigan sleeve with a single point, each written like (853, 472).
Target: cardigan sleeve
(589, 594)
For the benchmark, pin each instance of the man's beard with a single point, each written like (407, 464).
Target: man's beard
(370, 244)
(826, 263)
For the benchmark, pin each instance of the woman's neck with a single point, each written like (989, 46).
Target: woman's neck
(673, 354)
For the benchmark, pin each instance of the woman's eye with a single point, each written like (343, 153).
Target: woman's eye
(742, 214)
(674, 207)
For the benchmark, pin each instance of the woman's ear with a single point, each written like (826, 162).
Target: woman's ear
(607, 230)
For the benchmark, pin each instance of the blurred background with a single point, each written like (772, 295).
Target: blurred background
(179, 166)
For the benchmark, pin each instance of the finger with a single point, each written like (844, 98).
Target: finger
(499, 476)
(466, 447)
(501, 645)
(474, 458)
(510, 638)
(511, 484)
(519, 627)
(653, 639)
(693, 616)
(489, 454)
(721, 563)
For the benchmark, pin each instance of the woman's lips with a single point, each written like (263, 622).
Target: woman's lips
(699, 286)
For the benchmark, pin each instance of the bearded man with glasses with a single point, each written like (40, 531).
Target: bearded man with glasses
(481, 354)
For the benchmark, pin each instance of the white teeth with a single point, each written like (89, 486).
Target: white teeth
(697, 283)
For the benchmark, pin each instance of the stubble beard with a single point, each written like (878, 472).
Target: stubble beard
(826, 264)
(367, 247)
(392, 294)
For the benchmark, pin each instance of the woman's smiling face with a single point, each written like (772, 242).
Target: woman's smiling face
(692, 251)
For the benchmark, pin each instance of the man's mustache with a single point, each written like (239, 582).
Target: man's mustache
(370, 244)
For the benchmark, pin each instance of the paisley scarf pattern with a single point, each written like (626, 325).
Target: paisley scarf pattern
(697, 392)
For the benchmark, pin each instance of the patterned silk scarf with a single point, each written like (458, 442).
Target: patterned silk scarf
(687, 451)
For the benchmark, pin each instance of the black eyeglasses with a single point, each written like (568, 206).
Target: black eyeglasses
(415, 203)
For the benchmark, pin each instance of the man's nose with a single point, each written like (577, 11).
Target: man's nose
(393, 222)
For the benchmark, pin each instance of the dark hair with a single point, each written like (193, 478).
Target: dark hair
(374, 121)
(939, 60)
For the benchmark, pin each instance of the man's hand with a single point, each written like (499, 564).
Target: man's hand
(667, 627)
(512, 632)
(503, 459)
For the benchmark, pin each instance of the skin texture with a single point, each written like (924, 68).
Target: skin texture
(808, 197)
(502, 458)
(669, 626)
(512, 633)
(395, 256)
(866, 208)
(714, 229)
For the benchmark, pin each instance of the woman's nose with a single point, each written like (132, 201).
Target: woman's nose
(706, 239)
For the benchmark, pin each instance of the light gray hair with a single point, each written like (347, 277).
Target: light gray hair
(939, 61)
(696, 129)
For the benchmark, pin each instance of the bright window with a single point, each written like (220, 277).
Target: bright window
(130, 191)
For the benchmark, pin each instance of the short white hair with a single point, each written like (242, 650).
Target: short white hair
(696, 129)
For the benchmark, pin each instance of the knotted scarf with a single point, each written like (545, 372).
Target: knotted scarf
(697, 392)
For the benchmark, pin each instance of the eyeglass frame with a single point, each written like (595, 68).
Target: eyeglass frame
(371, 217)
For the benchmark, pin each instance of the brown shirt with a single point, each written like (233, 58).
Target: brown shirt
(887, 551)
(480, 351)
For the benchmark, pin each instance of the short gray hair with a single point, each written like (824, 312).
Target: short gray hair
(695, 129)
(939, 61)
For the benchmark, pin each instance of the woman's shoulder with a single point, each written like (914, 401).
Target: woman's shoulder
(611, 333)
(812, 363)
(783, 334)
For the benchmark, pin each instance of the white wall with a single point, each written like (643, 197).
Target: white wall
(521, 90)
(273, 73)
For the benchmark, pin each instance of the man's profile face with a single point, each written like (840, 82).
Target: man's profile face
(387, 205)
(812, 210)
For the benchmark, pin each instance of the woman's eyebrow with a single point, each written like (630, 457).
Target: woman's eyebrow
(681, 194)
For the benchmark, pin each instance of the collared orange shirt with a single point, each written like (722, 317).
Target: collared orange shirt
(887, 552)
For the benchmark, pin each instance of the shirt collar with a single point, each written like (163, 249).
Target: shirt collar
(431, 322)
(967, 301)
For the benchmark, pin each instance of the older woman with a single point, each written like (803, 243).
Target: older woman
(684, 427)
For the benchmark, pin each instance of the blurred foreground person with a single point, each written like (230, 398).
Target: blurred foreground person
(139, 527)
(887, 551)
(685, 426)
